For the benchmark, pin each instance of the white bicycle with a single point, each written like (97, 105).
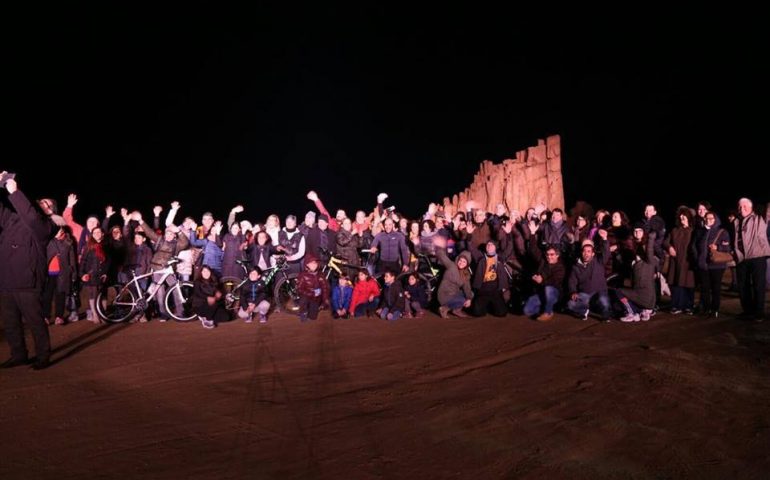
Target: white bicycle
(120, 302)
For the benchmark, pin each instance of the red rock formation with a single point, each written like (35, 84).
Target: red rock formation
(532, 178)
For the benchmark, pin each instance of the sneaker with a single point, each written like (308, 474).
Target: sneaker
(74, 317)
(248, 319)
(206, 323)
(585, 314)
(262, 318)
(443, 311)
(544, 317)
(59, 321)
(303, 317)
(675, 311)
(630, 317)
(89, 315)
(458, 312)
(689, 311)
(645, 315)
(381, 197)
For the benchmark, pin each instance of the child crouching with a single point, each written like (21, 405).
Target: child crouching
(253, 298)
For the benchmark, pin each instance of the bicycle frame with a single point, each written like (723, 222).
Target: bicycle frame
(152, 289)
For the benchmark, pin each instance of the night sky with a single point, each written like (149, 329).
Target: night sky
(273, 102)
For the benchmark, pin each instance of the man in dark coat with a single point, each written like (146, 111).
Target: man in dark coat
(24, 234)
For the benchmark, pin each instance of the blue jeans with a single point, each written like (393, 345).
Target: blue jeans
(532, 307)
(600, 301)
(395, 314)
(456, 302)
(362, 308)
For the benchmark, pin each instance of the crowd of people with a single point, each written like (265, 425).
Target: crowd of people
(499, 263)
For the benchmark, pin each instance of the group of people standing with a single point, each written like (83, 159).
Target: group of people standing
(494, 263)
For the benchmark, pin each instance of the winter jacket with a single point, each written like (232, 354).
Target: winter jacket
(341, 297)
(454, 280)
(362, 291)
(24, 236)
(253, 292)
(751, 238)
(392, 297)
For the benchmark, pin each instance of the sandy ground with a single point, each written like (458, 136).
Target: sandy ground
(676, 397)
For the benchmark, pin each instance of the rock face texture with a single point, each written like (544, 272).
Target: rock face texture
(532, 178)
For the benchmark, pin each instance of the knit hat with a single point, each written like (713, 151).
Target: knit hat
(323, 217)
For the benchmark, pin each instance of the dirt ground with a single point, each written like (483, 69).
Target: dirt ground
(676, 397)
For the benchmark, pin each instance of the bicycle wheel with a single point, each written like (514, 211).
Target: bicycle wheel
(285, 294)
(230, 287)
(116, 303)
(185, 312)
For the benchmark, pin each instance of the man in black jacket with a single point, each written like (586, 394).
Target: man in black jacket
(24, 234)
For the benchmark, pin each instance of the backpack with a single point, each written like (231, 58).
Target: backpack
(54, 268)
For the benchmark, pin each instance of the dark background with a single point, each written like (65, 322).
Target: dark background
(215, 106)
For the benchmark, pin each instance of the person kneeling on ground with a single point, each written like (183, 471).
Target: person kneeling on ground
(454, 292)
(366, 295)
(392, 301)
(313, 290)
(342, 293)
(253, 296)
(548, 283)
(206, 295)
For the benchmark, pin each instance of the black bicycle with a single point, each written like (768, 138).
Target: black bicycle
(284, 284)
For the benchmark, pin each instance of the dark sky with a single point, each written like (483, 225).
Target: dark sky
(256, 105)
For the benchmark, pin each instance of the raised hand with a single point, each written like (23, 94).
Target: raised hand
(11, 185)
(603, 234)
(72, 199)
(156, 210)
(312, 196)
(109, 211)
(439, 241)
(237, 209)
(175, 205)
